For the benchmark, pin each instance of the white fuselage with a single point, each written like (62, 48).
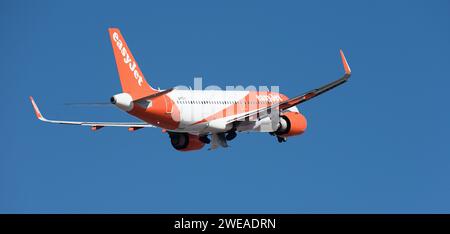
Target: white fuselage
(210, 110)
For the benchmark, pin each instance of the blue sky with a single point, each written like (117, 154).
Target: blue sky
(378, 144)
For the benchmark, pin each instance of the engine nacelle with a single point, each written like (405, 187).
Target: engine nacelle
(123, 100)
(291, 124)
(185, 141)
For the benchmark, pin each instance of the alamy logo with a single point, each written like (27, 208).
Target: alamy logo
(269, 98)
(127, 59)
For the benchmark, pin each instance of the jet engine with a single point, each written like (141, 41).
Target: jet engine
(185, 141)
(291, 124)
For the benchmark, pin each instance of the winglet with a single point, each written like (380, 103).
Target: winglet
(344, 62)
(36, 109)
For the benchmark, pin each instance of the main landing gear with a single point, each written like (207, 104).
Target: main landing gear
(279, 138)
(228, 136)
(218, 139)
(204, 139)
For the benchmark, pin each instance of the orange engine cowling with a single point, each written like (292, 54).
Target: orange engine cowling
(291, 124)
(185, 141)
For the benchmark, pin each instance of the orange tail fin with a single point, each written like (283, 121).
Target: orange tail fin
(131, 77)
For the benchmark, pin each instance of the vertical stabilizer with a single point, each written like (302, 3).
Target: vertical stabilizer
(131, 77)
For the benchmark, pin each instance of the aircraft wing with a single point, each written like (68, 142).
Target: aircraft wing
(262, 112)
(94, 125)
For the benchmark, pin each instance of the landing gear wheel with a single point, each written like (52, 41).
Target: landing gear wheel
(230, 136)
(204, 139)
(281, 139)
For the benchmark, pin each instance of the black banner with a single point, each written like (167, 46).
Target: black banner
(222, 223)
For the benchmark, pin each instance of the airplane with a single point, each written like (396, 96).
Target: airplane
(195, 118)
